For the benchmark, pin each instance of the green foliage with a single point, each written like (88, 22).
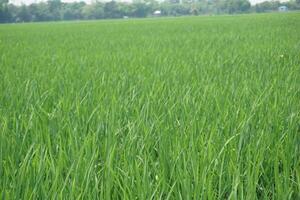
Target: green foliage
(54, 10)
(237, 6)
(23, 14)
(141, 10)
(267, 6)
(95, 11)
(73, 11)
(112, 10)
(174, 108)
(175, 9)
(4, 13)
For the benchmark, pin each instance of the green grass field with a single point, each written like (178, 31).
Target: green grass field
(164, 108)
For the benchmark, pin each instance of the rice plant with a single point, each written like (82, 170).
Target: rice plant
(164, 108)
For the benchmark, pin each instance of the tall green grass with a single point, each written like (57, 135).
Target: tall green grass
(178, 108)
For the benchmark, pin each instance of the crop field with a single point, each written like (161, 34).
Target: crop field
(163, 108)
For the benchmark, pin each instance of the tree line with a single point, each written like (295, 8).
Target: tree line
(54, 10)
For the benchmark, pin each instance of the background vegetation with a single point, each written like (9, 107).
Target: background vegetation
(175, 108)
(54, 10)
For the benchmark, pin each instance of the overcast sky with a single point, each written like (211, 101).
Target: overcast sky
(18, 2)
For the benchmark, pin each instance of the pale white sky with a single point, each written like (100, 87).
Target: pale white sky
(19, 2)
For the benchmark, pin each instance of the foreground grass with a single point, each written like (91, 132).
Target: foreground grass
(187, 108)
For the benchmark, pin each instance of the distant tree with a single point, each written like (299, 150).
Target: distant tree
(111, 10)
(4, 12)
(140, 10)
(55, 9)
(40, 12)
(23, 14)
(292, 5)
(13, 10)
(93, 11)
(73, 11)
(194, 9)
(87, 12)
(267, 6)
(174, 1)
(244, 5)
(183, 9)
(236, 6)
(33, 9)
(126, 9)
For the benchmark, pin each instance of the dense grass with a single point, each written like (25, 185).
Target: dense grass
(179, 108)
